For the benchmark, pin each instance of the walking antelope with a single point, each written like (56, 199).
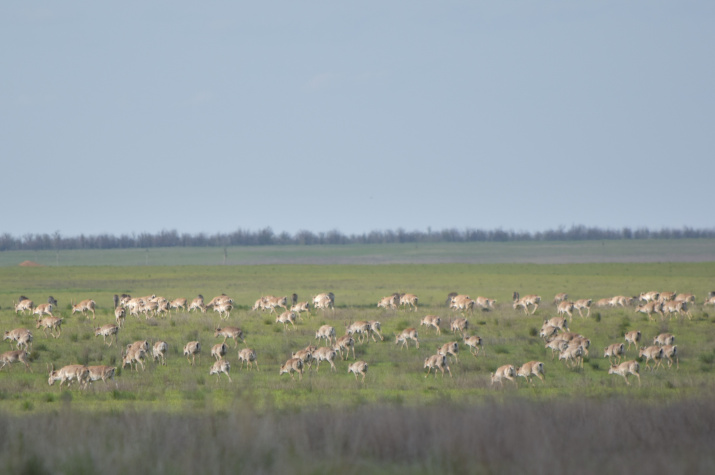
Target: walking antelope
(191, 349)
(474, 343)
(676, 306)
(345, 342)
(710, 301)
(248, 356)
(484, 303)
(462, 303)
(223, 309)
(178, 304)
(103, 373)
(525, 301)
(620, 301)
(285, 318)
(325, 354)
(665, 296)
(21, 336)
(460, 325)
(450, 349)
(605, 302)
(219, 350)
(119, 315)
(558, 298)
(159, 350)
(358, 367)
(581, 305)
(625, 369)
(664, 339)
(43, 309)
(24, 304)
(52, 324)
(374, 329)
(670, 352)
(218, 300)
(327, 332)
(14, 356)
(305, 355)
(650, 308)
(687, 298)
(574, 354)
(504, 372)
(557, 344)
(432, 321)
(406, 335)
(221, 366)
(230, 332)
(198, 304)
(291, 366)
(300, 307)
(530, 369)
(565, 307)
(85, 306)
(109, 330)
(269, 302)
(436, 362)
(66, 374)
(633, 337)
(654, 353)
(649, 296)
(615, 350)
(361, 329)
(548, 332)
(409, 301)
(134, 356)
(390, 302)
(324, 301)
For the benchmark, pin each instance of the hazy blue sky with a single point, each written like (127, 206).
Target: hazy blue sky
(356, 116)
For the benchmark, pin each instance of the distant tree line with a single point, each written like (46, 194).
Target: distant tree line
(266, 237)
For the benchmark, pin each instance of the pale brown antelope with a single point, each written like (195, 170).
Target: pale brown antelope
(650, 308)
(526, 301)
(664, 339)
(676, 306)
(450, 350)
(460, 325)
(557, 344)
(561, 297)
(620, 301)
(230, 332)
(258, 305)
(219, 299)
(651, 296)
(134, 357)
(484, 303)
(565, 307)
(223, 309)
(583, 342)
(606, 302)
(625, 369)
(198, 304)
(300, 307)
(654, 353)
(665, 296)
(10, 357)
(345, 342)
(191, 349)
(120, 315)
(84, 306)
(248, 356)
(390, 302)
(43, 309)
(271, 303)
(324, 301)
(633, 337)
(178, 304)
(158, 351)
(436, 362)
(101, 373)
(358, 367)
(583, 304)
(219, 350)
(162, 308)
(109, 330)
(325, 354)
(139, 344)
(305, 355)
(285, 318)
(68, 373)
(24, 304)
(293, 365)
(548, 332)
(432, 321)
(462, 303)
(710, 301)
(21, 336)
(374, 329)
(52, 324)
(406, 335)
(573, 354)
(474, 343)
(221, 366)
(326, 332)
(360, 329)
(670, 352)
(149, 309)
(614, 350)
(409, 301)
(506, 371)
(530, 369)
(559, 322)
(687, 298)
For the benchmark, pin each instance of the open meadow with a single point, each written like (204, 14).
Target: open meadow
(397, 420)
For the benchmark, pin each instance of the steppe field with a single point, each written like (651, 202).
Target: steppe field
(177, 418)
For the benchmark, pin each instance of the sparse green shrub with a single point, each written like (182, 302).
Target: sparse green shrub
(533, 331)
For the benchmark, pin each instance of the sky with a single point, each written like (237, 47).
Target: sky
(208, 117)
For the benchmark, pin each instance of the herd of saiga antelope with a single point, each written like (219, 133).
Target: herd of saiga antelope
(572, 347)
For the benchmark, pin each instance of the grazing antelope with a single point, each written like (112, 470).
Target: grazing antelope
(221, 366)
(664, 339)
(43, 309)
(462, 303)
(158, 351)
(581, 305)
(119, 315)
(219, 350)
(192, 349)
(624, 369)
(558, 298)
(436, 362)
(450, 349)
(390, 302)
(327, 332)
(134, 356)
(285, 318)
(230, 332)
(504, 372)
(615, 350)
(198, 304)
(565, 307)
(409, 301)
(406, 335)
(178, 304)
(460, 325)
(527, 300)
(324, 301)
(650, 308)
(346, 343)
(670, 352)
(52, 324)
(87, 305)
(291, 366)
(248, 356)
(532, 368)
(10, 357)
(432, 321)
(109, 330)
(24, 304)
(358, 367)
(474, 343)
(21, 336)
(361, 329)
(325, 354)
(654, 353)
(300, 307)
(633, 337)
(66, 374)
(101, 372)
